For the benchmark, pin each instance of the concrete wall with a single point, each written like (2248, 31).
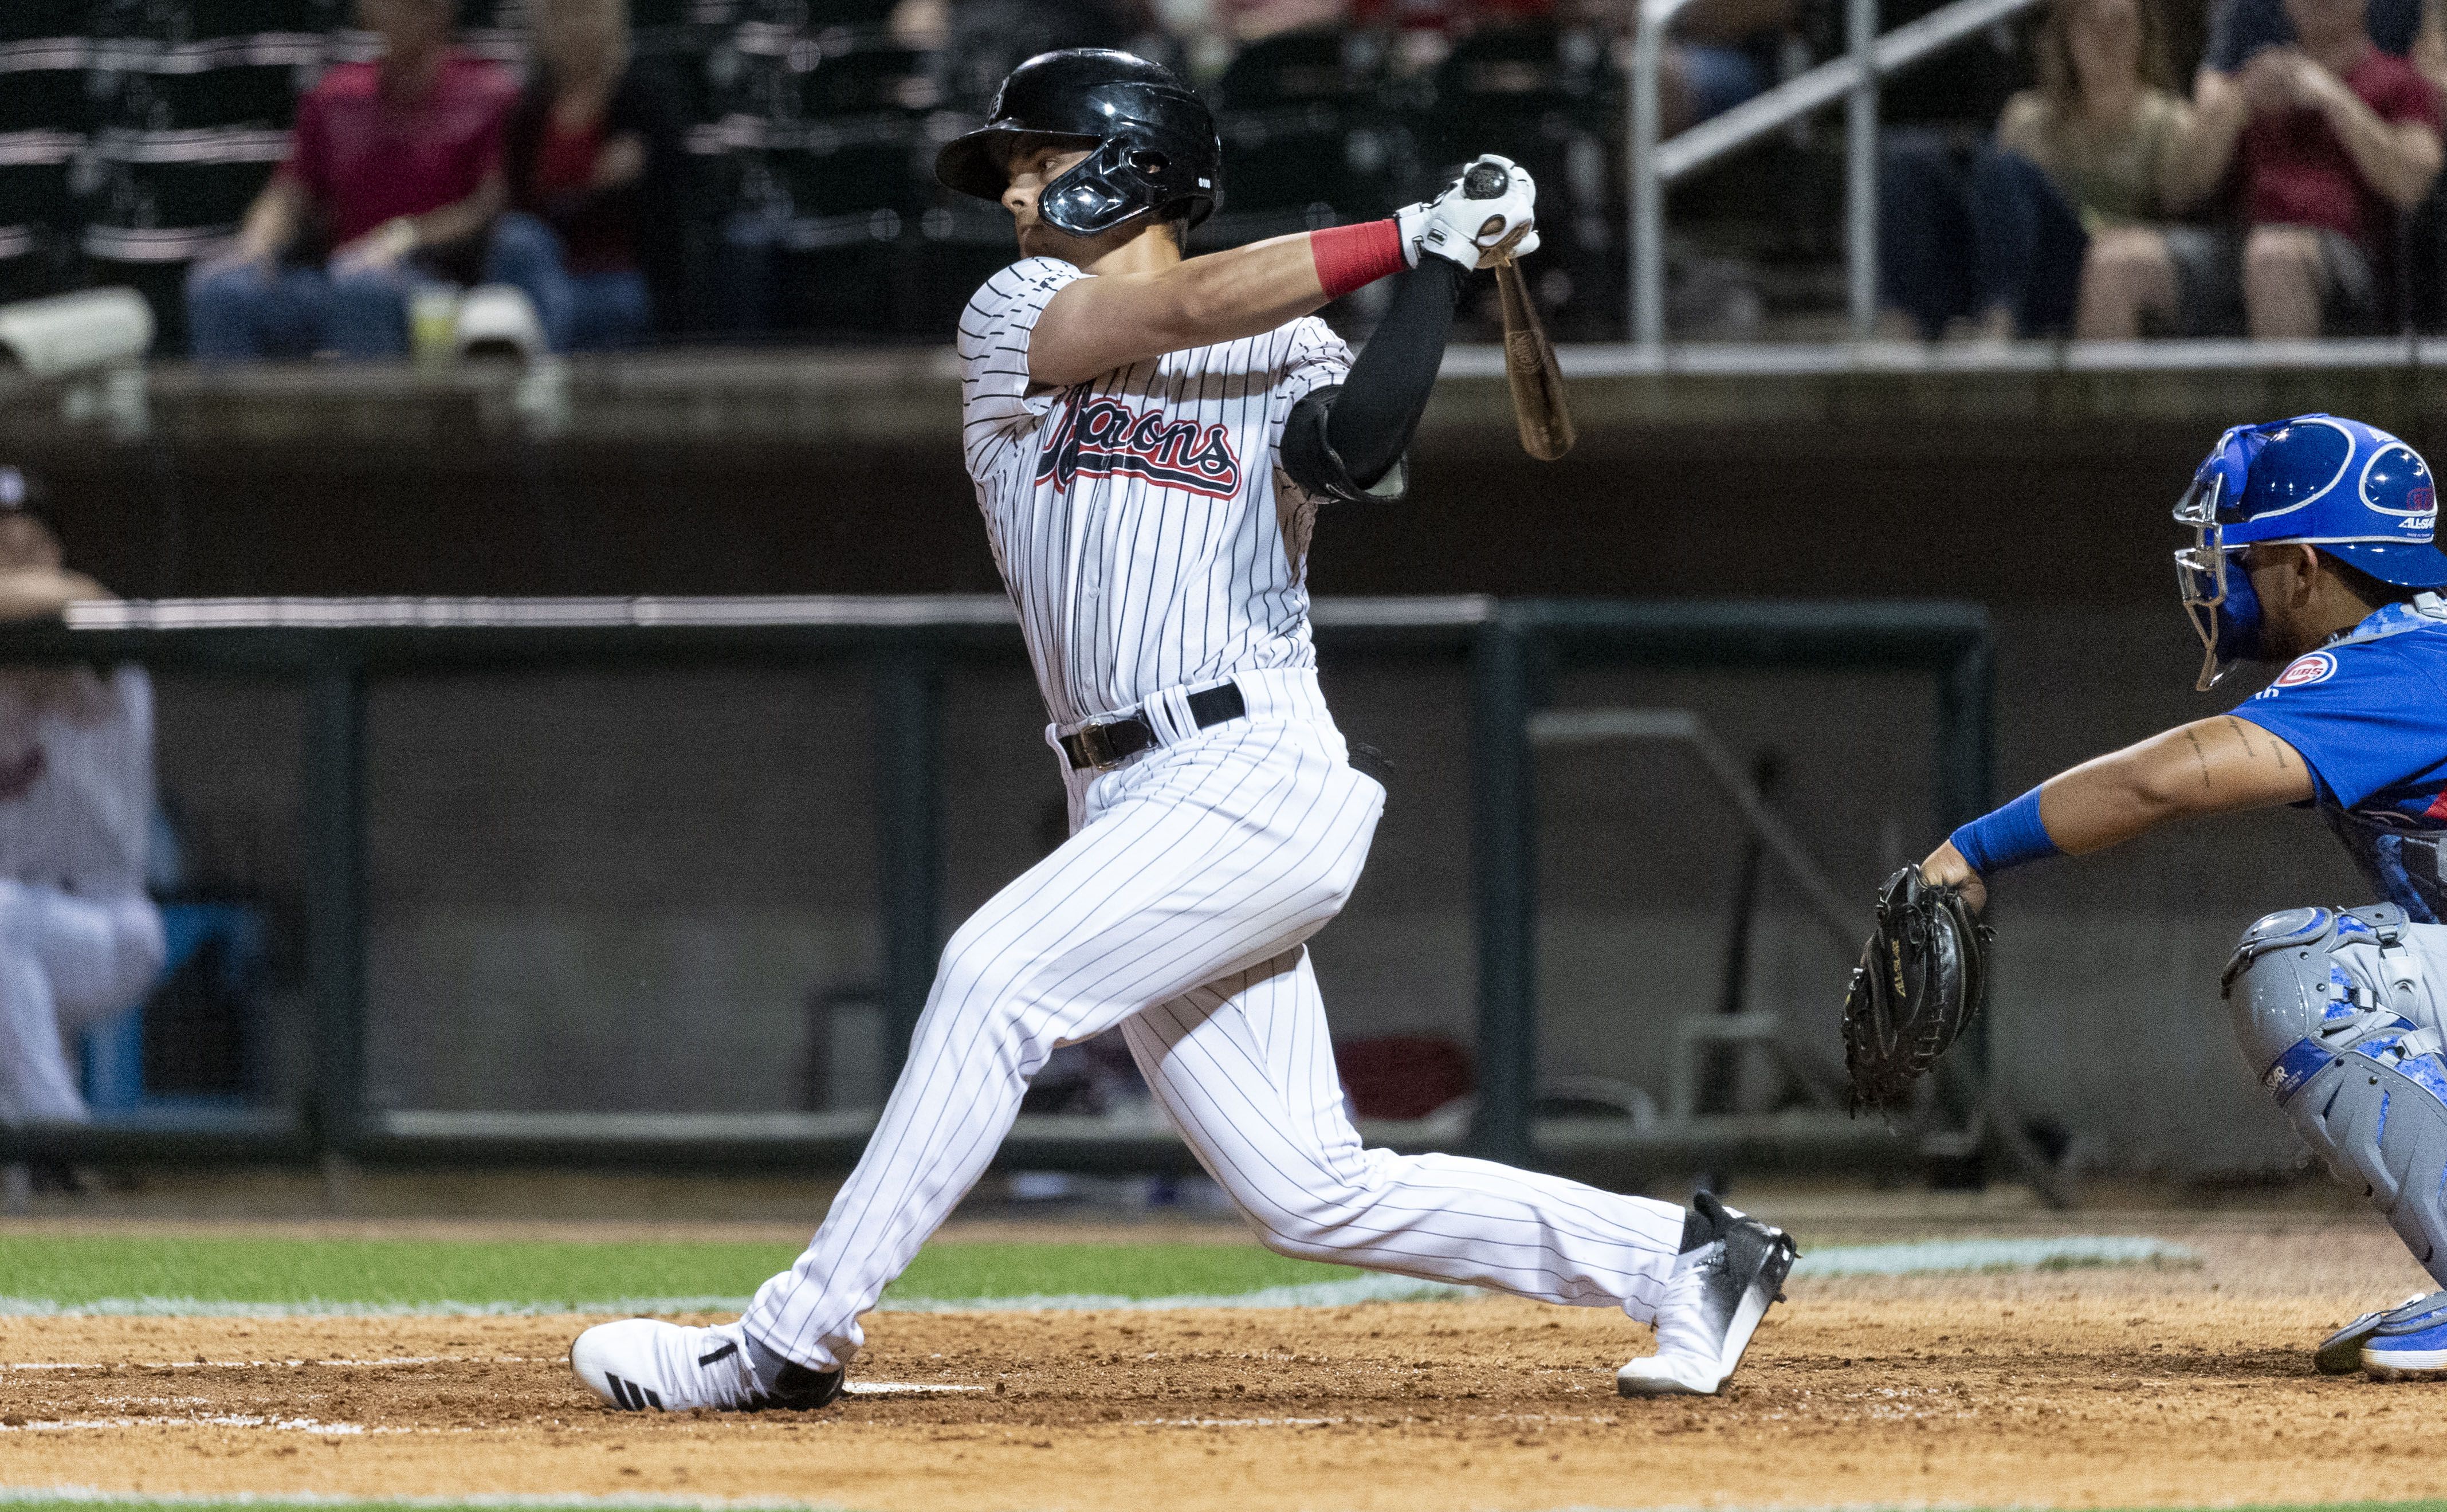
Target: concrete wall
(625, 892)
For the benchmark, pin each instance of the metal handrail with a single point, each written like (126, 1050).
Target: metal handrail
(339, 649)
(1853, 78)
(1845, 924)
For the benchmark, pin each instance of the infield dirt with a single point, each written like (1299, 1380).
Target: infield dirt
(2178, 1387)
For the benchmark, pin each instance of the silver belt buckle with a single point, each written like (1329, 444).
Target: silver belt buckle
(1093, 740)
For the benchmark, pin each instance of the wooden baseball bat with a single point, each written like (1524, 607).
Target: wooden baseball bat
(1538, 403)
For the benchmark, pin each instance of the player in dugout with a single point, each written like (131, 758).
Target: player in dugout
(80, 941)
(2312, 551)
(1151, 436)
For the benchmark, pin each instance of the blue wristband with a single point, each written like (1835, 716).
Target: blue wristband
(2009, 836)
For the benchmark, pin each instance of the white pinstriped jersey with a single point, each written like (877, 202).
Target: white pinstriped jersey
(76, 779)
(1142, 524)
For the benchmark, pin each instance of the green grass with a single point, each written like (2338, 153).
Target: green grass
(82, 1270)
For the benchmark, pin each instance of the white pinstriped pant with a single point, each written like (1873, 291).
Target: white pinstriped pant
(1178, 908)
(66, 963)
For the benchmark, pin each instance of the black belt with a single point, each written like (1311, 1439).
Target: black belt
(1110, 742)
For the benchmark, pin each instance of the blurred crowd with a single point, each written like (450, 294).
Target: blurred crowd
(2287, 193)
(372, 177)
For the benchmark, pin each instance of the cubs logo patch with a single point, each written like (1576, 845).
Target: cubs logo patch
(2316, 668)
(1102, 437)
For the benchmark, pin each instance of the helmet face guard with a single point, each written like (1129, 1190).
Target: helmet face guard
(1134, 172)
(2215, 590)
(1152, 144)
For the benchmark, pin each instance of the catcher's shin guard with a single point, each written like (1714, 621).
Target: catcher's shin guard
(2328, 1008)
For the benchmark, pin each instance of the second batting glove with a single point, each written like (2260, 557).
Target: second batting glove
(1474, 231)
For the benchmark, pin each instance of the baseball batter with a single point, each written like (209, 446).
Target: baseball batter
(80, 941)
(1151, 437)
(2313, 548)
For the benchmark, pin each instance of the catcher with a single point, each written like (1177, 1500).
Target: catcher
(2311, 548)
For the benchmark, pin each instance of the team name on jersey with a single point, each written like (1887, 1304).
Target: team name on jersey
(1101, 436)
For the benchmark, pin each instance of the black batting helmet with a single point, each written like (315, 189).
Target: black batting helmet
(1153, 147)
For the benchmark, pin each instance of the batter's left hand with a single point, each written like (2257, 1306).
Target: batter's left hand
(1477, 231)
(1945, 864)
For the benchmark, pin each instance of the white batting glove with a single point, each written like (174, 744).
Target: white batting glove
(1475, 230)
(1410, 221)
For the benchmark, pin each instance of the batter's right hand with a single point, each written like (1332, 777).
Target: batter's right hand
(1476, 231)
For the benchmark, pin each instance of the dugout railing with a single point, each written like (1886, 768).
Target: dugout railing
(1512, 649)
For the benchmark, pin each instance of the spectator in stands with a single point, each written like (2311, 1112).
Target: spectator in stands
(2238, 29)
(2063, 210)
(80, 941)
(1723, 52)
(2329, 140)
(395, 167)
(594, 163)
(975, 43)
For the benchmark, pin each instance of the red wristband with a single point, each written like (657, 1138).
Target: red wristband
(1351, 257)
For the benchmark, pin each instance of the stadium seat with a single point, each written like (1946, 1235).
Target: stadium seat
(824, 143)
(37, 213)
(1545, 96)
(1308, 139)
(190, 1039)
(156, 200)
(41, 78)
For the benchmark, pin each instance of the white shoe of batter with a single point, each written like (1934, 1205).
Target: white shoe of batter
(1720, 1290)
(644, 1365)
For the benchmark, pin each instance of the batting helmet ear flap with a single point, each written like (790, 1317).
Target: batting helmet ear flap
(1130, 173)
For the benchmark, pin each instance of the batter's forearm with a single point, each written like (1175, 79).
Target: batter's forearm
(1243, 291)
(1096, 325)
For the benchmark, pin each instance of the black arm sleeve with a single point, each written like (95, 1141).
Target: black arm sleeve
(1341, 442)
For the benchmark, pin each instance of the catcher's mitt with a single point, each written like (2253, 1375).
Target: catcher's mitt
(1922, 977)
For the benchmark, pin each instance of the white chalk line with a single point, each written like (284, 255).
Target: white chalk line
(200, 1420)
(1925, 1258)
(1951, 1256)
(256, 1364)
(1235, 1423)
(396, 1361)
(873, 1389)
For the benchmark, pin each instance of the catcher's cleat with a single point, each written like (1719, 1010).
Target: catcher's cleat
(1727, 1277)
(639, 1365)
(2341, 1353)
(2410, 1342)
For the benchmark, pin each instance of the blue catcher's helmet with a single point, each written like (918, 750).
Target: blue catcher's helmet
(2352, 490)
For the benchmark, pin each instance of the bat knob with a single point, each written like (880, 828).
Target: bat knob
(1484, 180)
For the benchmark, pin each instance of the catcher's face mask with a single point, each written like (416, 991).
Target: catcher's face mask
(2210, 578)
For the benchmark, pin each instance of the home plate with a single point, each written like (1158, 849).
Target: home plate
(899, 1387)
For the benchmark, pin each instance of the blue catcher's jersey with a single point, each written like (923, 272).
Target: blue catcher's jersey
(2368, 711)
